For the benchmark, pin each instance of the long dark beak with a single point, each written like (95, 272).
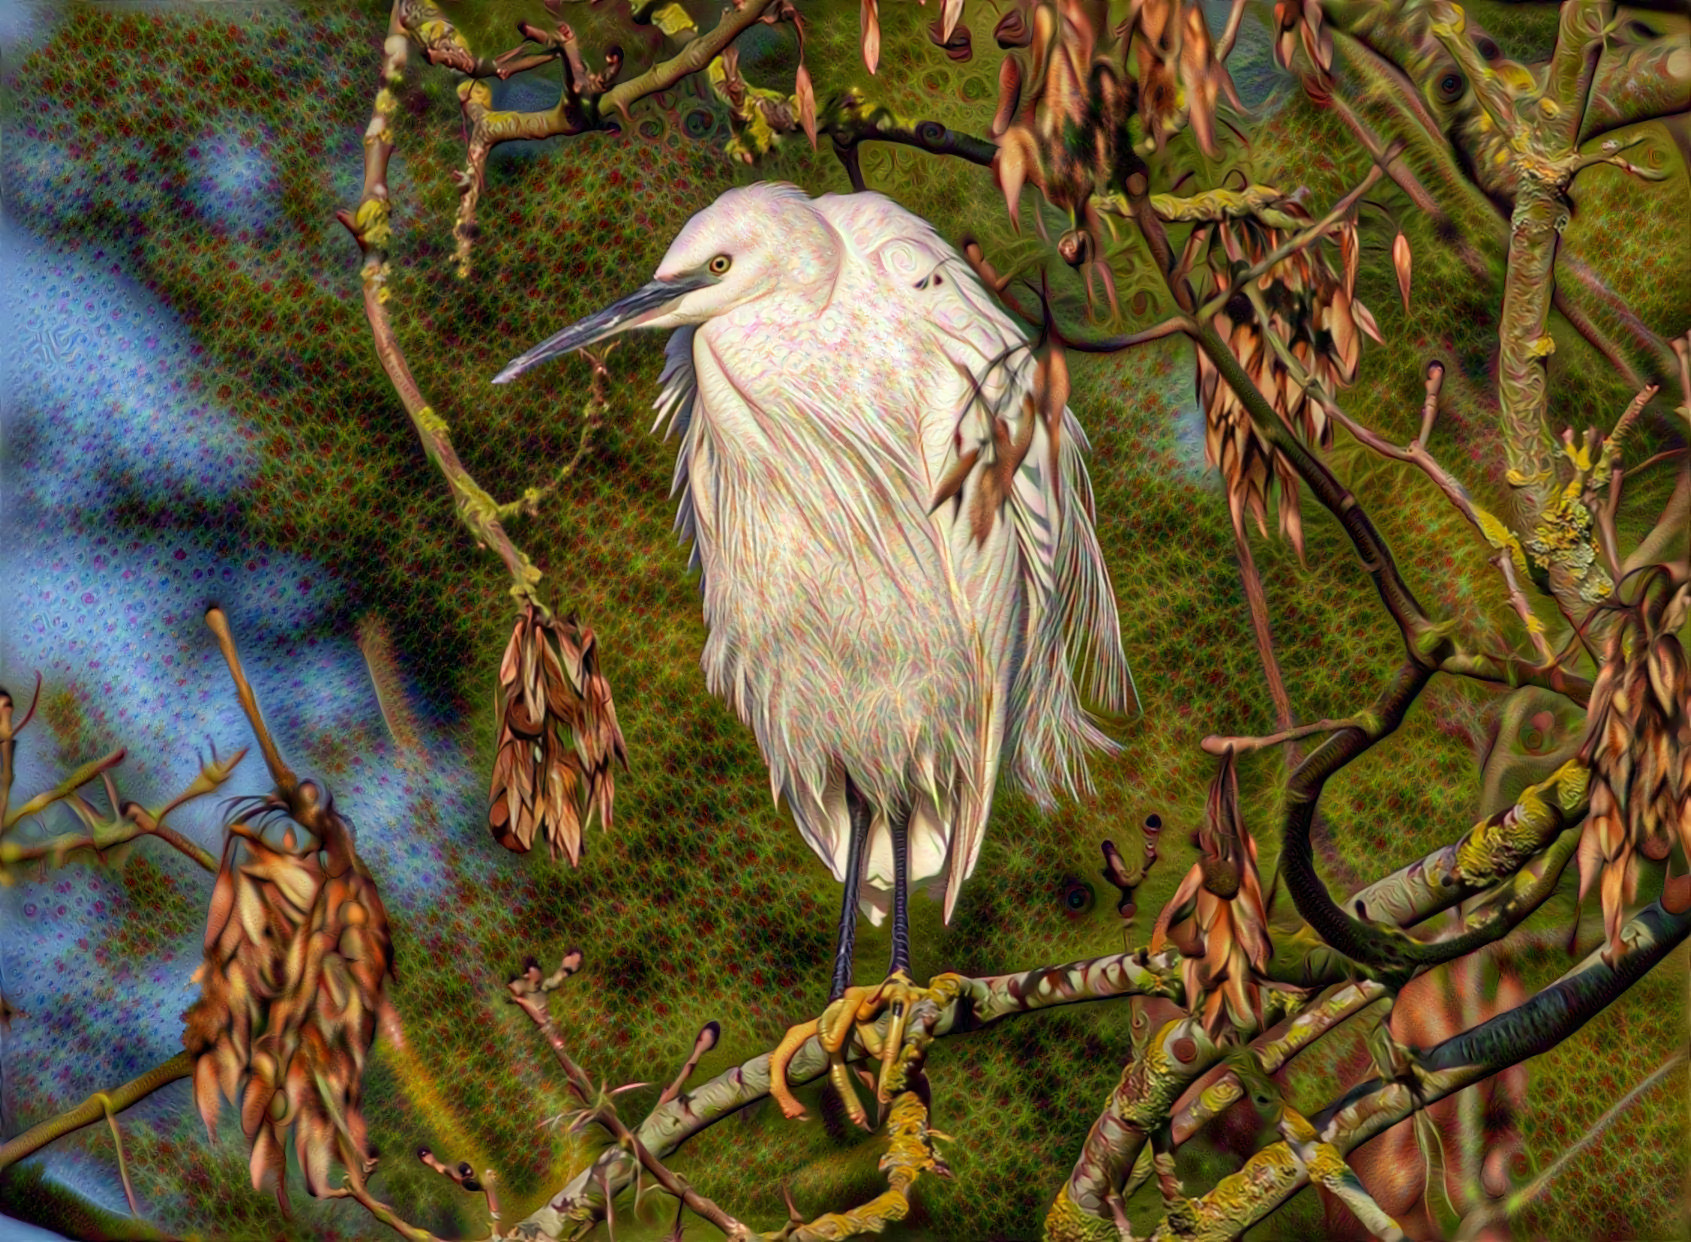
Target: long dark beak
(645, 303)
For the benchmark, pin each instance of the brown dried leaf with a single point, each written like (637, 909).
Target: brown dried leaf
(952, 10)
(1365, 321)
(1017, 158)
(1401, 261)
(1667, 673)
(304, 960)
(871, 21)
(1009, 94)
(1201, 75)
(806, 96)
(205, 1093)
(222, 903)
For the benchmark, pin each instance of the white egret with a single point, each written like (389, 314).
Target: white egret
(836, 368)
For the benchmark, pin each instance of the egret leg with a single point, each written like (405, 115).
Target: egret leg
(855, 1011)
(857, 806)
(900, 964)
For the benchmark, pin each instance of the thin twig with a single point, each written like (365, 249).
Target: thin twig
(114, 834)
(1217, 745)
(286, 782)
(708, 1035)
(122, 1160)
(1655, 459)
(1512, 1204)
(1398, 171)
(169, 835)
(356, 1189)
(528, 992)
(1430, 404)
(65, 788)
(371, 227)
(1534, 627)
(1115, 344)
(1256, 603)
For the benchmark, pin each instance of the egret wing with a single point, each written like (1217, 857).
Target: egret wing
(999, 458)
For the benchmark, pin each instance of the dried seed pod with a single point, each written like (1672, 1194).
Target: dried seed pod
(1217, 917)
(297, 951)
(1317, 321)
(1637, 746)
(558, 737)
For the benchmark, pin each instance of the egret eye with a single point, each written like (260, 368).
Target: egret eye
(1077, 897)
(720, 265)
(1451, 85)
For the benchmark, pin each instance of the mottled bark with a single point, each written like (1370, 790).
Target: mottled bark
(1498, 846)
(1155, 1077)
(980, 1003)
(1273, 1175)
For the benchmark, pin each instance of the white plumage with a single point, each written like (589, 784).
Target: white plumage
(823, 384)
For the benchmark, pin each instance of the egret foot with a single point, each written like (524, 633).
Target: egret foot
(858, 1012)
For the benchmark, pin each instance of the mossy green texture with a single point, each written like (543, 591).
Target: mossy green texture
(703, 903)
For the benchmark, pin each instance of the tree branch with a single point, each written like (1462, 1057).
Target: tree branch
(1154, 1077)
(855, 120)
(371, 227)
(95, 1108)
(980, 1003)
(1273, 1175)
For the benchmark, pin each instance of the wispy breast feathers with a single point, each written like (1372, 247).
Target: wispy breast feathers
(678, 393)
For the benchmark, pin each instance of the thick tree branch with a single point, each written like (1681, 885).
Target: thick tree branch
(981, 1002)
(1273, 1175)
(1154, 1077)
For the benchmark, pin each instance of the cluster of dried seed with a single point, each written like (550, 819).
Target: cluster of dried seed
(1314, 313)
(296, 952)
(557, 738)
(1217, 918)
(1638, 749)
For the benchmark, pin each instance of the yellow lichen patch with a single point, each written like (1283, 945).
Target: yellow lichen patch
(1272, 1173)
(1067, 1221)
(672, 19)
(1496, 844)
(1501, 537)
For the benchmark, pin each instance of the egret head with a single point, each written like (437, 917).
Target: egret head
(747, 245)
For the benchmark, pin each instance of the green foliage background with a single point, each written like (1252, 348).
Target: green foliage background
(702, 902)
